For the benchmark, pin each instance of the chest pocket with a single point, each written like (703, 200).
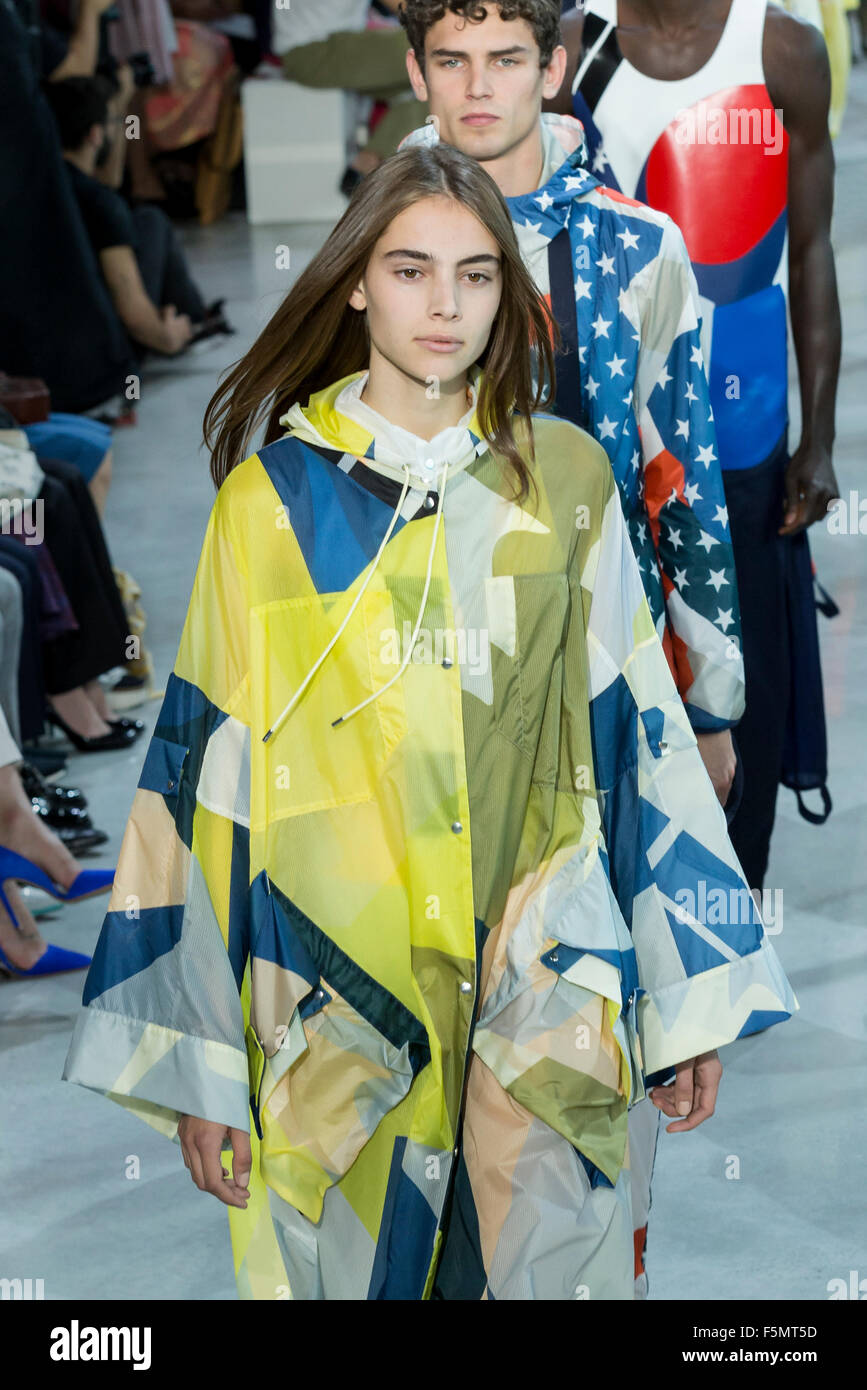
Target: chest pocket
(527, 618)
(309, 764)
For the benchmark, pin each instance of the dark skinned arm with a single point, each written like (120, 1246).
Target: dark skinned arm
(799, 82)
(571, 27)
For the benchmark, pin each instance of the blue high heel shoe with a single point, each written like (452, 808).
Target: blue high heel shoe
(56, 960)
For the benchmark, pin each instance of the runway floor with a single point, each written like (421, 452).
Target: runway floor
(792, 1103)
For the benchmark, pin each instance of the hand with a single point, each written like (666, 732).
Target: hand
(692, 1095)
(178, 328)
(718, 755)
(810, 488)
(201, 1145)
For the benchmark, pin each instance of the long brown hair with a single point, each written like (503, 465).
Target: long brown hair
(316, 338)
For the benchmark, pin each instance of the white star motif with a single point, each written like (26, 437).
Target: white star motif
(545, 200)
(707, 541)
(629, 239)
(664, 378)
(682, 428)
(533, 226)
(586, 227)
(724, 618)
(627, 400)
(717, 579)
(599, 161)
(710, 417)
(691, 493)
(680, 578)
(672, 497)
(573, 182)
(674, 538)
(635, 460)
(722, 514)
(696, 357)
(581, 352)
(606, 263)
(689, 393)
(642, 532)
(606, 428)
(582, 288)
(601, 326)
(615, 366)
(706, 455)
(592, 388)
(623, 297)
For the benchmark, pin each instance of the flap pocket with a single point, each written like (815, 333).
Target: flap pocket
(163, 766)
(345, 1053)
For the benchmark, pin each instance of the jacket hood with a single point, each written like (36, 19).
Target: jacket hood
(541, 214)
(337, 418)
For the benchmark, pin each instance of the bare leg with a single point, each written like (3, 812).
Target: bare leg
(22, 945)
(100, 483)
(96, 696)
(22, 831)
(80, 713)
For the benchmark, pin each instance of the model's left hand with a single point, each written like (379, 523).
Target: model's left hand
(692, 1095)
(810, 488)
(718, 755)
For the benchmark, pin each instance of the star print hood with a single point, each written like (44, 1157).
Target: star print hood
(617, 279)
(539, 216)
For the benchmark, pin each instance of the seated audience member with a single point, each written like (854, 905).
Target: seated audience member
(27, 844)
(139, 252)
(79, 440)
(329, 45)
(57, 320)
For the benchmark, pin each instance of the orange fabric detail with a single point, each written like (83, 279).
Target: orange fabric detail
(639, 1238)
(619, 197)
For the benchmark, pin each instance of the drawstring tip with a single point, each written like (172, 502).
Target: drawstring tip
(267, 736)
(335, 722)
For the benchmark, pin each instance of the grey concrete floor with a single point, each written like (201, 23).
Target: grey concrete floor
(792, 1104)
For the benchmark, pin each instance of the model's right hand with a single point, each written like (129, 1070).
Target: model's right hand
(202, 1142)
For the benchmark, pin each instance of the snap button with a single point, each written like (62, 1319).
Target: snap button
(554, 958)
(663, 746)
(429, 502)
(428, 463)
(457, 827)
(466, 987)
(171, 785)
(447, 661)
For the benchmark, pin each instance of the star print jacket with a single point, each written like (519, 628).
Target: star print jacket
(639, 384)
(422, 841)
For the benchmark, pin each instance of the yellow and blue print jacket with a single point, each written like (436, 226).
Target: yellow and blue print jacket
(422, 802)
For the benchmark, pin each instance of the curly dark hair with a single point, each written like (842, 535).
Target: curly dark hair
(543, 16)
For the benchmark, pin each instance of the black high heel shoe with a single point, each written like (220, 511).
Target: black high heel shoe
(115, 738)
(136, 725)
(54, 793)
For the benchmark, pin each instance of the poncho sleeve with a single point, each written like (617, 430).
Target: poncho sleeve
(162, 1027)
(706, 972)
(684, 496)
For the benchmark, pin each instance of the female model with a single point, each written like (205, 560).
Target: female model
(415, 898)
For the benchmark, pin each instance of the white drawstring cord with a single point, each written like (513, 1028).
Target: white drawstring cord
(406, 660)
(312, 672)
